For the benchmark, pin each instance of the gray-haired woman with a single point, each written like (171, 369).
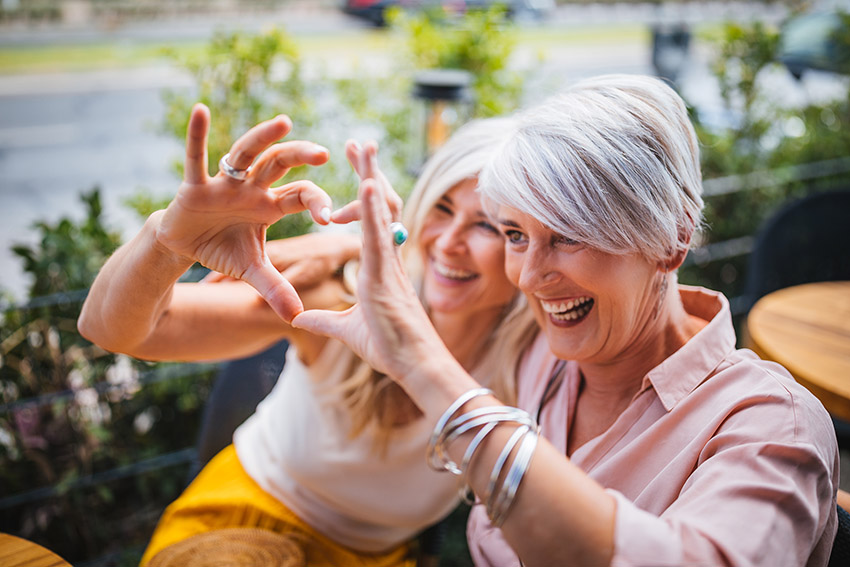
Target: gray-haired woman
(664, 444)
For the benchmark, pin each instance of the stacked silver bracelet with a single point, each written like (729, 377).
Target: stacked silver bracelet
(485, 420)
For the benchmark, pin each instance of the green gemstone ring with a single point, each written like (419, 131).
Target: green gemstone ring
(399, 233)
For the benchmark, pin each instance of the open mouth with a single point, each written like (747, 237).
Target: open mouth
(571, 310)
(454, 274)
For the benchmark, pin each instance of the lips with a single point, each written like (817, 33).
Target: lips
(453, 273)
(568, 310)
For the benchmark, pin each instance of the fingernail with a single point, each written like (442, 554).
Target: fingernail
(325, 214)
(320, 149)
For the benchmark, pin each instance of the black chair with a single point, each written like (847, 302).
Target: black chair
(807, 240)
(840, 556)
(239, 386)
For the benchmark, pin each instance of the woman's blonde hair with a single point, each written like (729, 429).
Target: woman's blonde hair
(374, 397)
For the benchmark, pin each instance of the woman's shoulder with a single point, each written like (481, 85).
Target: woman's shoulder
(764, 395)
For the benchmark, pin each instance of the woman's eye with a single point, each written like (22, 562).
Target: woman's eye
(514, 236)
(488, 227)
(443, 208)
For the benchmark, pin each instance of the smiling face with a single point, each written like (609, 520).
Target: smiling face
(464, 256)
(593, 306)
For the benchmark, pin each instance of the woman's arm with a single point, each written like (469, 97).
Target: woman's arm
(135, 306)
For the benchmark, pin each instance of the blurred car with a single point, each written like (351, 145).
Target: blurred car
(817, 40)
(374, 11)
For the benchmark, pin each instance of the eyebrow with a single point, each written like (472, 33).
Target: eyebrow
(507, 222)
(479, 212)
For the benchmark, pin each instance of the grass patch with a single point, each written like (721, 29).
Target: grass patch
(123, 54)
(84, 57)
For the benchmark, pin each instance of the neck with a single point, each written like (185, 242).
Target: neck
(665, 331)
(464, 334)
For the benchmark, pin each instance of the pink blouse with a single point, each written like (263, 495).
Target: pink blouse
(720, 459)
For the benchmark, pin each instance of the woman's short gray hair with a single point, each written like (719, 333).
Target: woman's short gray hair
(612, 162)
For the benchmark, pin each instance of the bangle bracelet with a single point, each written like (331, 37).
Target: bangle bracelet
(500, 463)
(515, 475)
(464, 490)
(475, 418)
(444, 419)
(515, 416)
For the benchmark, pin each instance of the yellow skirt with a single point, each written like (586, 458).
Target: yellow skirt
(224, 496)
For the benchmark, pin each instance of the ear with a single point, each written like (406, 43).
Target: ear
(685, 233)
(673, 263)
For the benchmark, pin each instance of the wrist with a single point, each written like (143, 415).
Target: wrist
(436, 382)
(165, 255)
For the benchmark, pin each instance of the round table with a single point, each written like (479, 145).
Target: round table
(17, 552)
(806, 328)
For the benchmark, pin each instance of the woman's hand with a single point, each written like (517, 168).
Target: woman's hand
(221, 222)
(307, 260)
(388, 327)
(364, 160)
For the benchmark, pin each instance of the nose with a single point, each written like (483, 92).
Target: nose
(451, 239)
(535, 269)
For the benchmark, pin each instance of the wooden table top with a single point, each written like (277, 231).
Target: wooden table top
(806, 328)
(17, 552)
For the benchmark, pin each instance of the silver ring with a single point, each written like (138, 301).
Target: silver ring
(399, 233)
(230, 171)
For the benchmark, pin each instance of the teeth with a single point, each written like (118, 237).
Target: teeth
(579, 304)
(578, 313)
(453, 273)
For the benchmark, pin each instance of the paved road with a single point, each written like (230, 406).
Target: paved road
(61, 134)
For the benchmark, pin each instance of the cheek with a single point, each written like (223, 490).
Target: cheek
(513, 268)
(426, 238)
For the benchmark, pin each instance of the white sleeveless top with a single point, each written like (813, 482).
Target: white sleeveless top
(297, 447)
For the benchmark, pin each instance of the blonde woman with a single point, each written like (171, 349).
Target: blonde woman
(334, 453)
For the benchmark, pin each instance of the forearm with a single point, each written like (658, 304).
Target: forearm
(579, 514)
(131, 292)
(136, 307)
(560, 516)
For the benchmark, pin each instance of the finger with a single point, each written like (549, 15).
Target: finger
(274, 288)
(370, 159)
(370, 152)
(303, 195)
(245, 150)
(325, 323)
(394, 201)
(348, 213)
(195, 166)
(377, 241)
(280, 158)
(352, 154)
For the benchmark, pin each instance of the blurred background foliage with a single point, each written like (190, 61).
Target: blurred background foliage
(766, 151)
(93, 446)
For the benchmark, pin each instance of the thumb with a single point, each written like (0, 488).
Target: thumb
(347, 213)
(275, 289)
(320, 322)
